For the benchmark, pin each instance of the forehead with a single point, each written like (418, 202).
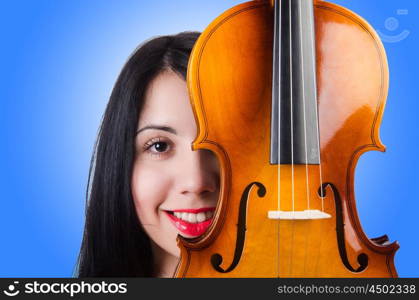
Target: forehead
(166, 102)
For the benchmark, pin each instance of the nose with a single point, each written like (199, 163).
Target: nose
(199, 173)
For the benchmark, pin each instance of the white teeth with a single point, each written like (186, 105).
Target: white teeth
(192, 217)
(184, 216)
(200, 217)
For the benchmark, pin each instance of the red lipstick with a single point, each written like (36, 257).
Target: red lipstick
(195, 211)
(187, 228)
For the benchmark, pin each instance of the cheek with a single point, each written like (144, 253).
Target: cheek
(149, 190)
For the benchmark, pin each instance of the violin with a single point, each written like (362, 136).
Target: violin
(288, 95)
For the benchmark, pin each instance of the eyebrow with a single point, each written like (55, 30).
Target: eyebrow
(157, 127)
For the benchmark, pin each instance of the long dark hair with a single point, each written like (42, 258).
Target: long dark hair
(114, 243)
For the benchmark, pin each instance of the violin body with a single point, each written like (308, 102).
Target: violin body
(230, 82)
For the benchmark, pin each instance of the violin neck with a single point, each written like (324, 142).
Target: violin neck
(294, 119)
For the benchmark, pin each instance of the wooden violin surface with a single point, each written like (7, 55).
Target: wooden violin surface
(230, 83)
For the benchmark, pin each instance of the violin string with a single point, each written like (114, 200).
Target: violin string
(292, 134)
(312, 33)
(305, 122)
(312, 36)
(304, 102)
(278, 36)
(291, 110)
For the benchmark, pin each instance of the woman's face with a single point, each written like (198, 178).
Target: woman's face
(174, 188)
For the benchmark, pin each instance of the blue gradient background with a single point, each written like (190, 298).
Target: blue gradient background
(59, 61)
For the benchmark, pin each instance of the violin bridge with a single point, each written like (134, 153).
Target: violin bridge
(312, 214)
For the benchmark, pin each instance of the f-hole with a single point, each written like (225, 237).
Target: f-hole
(217, 259)
(340, 233)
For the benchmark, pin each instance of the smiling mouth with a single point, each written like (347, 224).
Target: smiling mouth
(191, 222)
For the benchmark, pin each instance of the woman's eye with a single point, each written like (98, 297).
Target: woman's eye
(157, 147)
(160, 146)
